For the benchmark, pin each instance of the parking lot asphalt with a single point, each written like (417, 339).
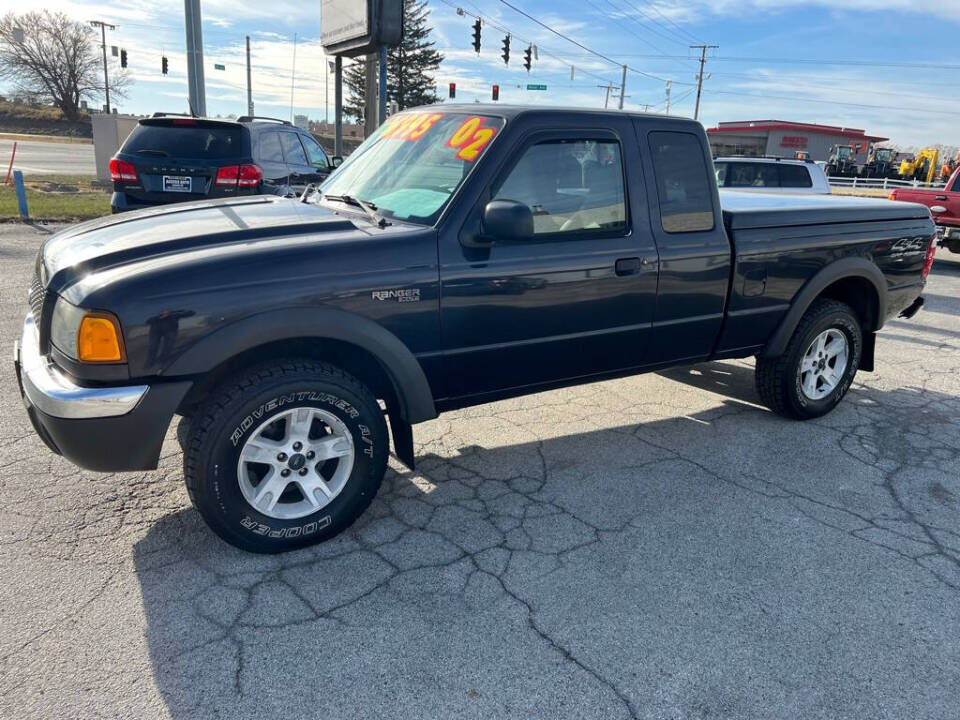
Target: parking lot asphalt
(654, 547)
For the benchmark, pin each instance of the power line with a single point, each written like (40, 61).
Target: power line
(826, 102)
(579, 44)
(681, 29)
(509, 31)
(638, 11)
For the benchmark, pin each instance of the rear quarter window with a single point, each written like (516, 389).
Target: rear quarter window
(795, 176)
(684, 182)
(269, 150)
(217, 143)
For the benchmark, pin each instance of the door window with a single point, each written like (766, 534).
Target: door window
(270, 148)
(794, 176)
(318, 158)
(292, 149)
(570, 185)
(684, 184)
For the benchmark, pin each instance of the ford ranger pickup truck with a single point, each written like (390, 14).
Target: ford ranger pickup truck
(944, 205)
(463, 254)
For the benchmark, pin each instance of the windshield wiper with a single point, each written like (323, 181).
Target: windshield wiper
(369, 208)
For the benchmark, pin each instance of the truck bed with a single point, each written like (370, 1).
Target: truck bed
(758, 210)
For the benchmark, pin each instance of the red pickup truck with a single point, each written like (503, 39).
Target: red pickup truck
(944, 206)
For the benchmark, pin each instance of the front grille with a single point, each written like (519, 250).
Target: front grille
(36, 297)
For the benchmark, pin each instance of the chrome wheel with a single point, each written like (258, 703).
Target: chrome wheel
(824, 364)
(295, 463)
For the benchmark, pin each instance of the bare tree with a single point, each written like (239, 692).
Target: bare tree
(50, 58)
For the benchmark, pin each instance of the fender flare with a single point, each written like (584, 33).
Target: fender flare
(844, 268)
(413, 392)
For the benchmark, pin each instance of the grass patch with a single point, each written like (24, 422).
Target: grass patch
(57, 198)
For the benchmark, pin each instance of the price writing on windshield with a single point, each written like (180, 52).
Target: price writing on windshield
(412, 126)
(471, 138)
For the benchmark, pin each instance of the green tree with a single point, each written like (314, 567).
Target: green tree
(410, 66)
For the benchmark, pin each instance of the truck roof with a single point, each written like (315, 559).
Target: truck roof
(510, 111)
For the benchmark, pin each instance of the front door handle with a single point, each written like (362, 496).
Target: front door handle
(941, 197)
(630, 266)
(627, 266)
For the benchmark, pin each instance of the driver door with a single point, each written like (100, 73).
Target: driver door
(577, 298)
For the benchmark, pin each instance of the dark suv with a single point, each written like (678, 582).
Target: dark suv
(174, 158)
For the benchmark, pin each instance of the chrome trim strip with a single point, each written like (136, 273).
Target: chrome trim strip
(51, 392)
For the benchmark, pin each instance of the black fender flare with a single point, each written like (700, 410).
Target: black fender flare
(413, 392)
(844, 268)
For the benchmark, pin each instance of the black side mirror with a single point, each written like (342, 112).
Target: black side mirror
(507, 220)
(337, 161)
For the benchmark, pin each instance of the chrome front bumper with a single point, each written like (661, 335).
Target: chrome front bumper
(51, 392)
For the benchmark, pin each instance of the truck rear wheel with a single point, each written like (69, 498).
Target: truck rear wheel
(817, 367)
(285, 455)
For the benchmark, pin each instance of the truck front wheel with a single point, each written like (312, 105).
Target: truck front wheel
(817, 367)
(285, 455)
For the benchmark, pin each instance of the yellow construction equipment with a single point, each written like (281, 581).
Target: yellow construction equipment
(923, 167)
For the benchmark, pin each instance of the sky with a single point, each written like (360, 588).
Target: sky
(887, 66)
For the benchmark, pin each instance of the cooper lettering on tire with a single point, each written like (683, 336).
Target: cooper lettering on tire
(285, 455)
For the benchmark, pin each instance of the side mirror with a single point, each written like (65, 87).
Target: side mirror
(507, 220)
(337, 161)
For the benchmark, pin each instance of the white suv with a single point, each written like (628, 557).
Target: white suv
(771, 175)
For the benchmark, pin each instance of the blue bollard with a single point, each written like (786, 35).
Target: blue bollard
(21, 194)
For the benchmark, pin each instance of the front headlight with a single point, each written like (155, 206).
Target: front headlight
(86, 335)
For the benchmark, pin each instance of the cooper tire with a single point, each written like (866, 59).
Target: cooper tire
(780, 381)
(258, 401)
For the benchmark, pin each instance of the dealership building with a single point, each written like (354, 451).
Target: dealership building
(778, 138)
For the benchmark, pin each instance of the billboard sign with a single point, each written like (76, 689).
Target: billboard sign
(357, 27)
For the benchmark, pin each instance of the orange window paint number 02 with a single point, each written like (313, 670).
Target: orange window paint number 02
(471, 138)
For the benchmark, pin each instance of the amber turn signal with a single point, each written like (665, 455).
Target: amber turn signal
(99, 339)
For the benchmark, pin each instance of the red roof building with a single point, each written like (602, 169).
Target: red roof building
(780, 138)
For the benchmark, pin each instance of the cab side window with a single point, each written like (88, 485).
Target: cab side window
(270, 148)
(292, 149)
(570, 185)
(684, 183)
(318, 158)
(956, 185)
(794, 176)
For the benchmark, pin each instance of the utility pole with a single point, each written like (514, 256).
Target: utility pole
(703, 61)
(249, 86)
(608, 87)
(669, 87)
(103, 36)
(197, 93)
(293, 74)
(623, 85)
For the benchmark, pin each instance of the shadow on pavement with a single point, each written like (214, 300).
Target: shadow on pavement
(668, 565)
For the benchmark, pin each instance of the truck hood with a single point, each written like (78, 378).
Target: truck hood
(131, 237)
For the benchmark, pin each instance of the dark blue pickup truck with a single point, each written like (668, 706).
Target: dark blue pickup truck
(462, 254)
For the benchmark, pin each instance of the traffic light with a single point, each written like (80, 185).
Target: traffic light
(163, 64)
(453, 90)
(527, 57)
(123, 58)
(496, 92)
(506, 50)
(476, 35)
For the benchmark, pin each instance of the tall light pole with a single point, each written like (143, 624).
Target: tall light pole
(103, 37)
(195, 84)
(249, 85)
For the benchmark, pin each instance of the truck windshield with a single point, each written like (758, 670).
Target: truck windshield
(415, 161)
